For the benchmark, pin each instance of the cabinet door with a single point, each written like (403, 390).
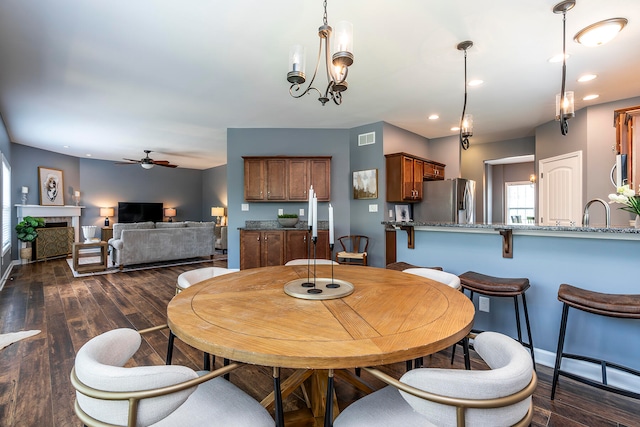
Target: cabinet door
(320, 173)
(276, 175)
(272, 248)
(254, 179)
(250, 249)
(407, 178)
(297, 243)
(298, 179)
(417, 179)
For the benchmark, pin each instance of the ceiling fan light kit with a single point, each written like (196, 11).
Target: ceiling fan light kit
(336, 66)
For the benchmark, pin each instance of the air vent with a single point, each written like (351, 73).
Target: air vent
(366, 139)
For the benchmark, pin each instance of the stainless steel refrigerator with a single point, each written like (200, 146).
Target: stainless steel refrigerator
(451, 200)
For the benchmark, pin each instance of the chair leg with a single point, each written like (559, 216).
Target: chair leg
(277, 397)
(328, 414)
(170, 348)
(226, 376)
(563, 329)
(207, 362)
(467, 358)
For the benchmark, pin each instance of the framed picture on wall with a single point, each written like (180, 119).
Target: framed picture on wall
(365, 184)
(51, 184)
(402, 213)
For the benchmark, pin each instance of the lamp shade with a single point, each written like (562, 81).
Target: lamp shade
(170, 212)
(106, 212)
(217, 211)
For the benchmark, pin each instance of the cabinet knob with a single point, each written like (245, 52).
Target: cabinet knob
(258, 239)
(304, 239)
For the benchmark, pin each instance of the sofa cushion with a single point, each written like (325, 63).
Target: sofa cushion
(170, 225)
(200, 224)
(118, 227)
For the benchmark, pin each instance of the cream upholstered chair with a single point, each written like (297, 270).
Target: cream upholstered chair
(448, 279)
(108, 394)
(354, 249)
(500, 396)
(189, 278)
(306, 261)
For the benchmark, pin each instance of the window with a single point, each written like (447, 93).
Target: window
(6, 206)
(520, 201)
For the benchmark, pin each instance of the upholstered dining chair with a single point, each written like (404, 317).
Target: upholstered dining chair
(450, 280)
(308, 261)
(354, 249)
(108, 394)
(185, 280)
(500, 396)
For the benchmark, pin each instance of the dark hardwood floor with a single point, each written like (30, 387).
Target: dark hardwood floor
(34, 373)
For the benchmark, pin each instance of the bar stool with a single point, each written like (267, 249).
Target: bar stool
(502, 287)
(611, 305)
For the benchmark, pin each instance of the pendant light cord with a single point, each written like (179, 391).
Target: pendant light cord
(464, 142)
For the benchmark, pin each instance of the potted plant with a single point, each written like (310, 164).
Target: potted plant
(288, 220)
(26, 232)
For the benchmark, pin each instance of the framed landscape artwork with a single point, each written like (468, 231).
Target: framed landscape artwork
(51, 184)
(365, 184)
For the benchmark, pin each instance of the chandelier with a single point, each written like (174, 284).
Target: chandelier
(466, 120)
(336, 68)
(564, 100)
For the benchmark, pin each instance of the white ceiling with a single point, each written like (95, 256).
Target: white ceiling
(112, 78)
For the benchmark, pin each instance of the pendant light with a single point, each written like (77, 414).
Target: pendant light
(337, 67)
(564, 100)
(466, 120)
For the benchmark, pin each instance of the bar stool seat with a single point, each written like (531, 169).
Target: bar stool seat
(502, 287)
(401, 266)
(625, 306)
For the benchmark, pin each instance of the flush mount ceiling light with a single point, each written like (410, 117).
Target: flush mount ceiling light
(466, 120)
(601, 32)
(337, 67)
(564, 100)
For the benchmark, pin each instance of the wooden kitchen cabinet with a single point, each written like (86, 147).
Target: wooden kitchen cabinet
(297, 245)
(261, 248)
(432, 171)
(286, 179)
(405, 174)
(404, 178)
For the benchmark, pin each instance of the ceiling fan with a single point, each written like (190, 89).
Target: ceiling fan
(147, 162)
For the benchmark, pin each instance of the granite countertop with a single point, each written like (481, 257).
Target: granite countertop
(275, 225)
(517, 227)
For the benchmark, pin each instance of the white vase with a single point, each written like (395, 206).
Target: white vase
(88, 231)
(637, 223)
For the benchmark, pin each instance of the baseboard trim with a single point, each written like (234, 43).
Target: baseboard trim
(7, 273)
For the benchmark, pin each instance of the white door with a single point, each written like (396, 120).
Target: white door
(560, 190)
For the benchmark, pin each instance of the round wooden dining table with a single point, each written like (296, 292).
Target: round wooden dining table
(389, 317)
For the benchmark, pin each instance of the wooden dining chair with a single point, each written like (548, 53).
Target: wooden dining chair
(354, 250)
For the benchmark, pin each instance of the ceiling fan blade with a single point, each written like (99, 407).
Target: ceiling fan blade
(161, 162)
(125, 163)
(131, 160)
(167, 165)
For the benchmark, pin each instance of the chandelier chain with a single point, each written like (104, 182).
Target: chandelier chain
(324, 17)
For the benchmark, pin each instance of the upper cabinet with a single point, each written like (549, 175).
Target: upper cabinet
(405, 174)
(286, 179)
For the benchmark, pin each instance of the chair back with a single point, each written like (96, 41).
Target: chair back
(511, 371)
(448, 279)
(354, 243)
(305, 261)
(99, 365)
(189, 278)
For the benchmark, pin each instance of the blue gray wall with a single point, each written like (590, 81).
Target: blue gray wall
(214, 190)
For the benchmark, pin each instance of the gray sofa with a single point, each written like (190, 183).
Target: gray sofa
(144, 242)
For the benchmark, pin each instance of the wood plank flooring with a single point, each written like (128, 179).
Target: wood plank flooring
(34, 373)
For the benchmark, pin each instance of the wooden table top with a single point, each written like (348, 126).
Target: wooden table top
(390, 317)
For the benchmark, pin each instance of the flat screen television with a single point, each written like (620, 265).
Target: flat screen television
(139, 212)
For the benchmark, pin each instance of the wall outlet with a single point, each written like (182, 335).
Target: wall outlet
(373, 208)
(483, 304)
(280, 211)
(301, 212)
(244, 207)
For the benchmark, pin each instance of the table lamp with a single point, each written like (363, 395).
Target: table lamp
(170, 213)
(217, 212)
(106, 213)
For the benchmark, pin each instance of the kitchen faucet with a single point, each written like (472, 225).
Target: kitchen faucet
(585, 215)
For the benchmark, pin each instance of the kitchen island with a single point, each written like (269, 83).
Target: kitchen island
(598, 259)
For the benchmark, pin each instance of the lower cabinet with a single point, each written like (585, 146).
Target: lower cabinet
(264, 248)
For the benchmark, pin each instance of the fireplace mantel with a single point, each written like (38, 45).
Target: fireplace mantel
(72, 212)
